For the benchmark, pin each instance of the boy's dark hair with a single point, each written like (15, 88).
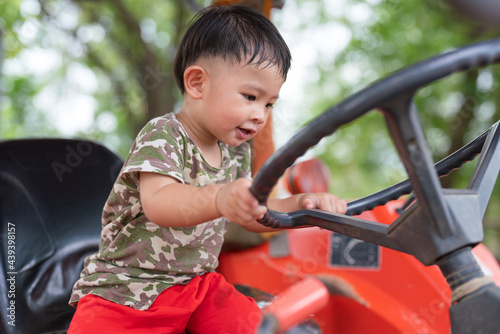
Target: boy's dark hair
(235, 33)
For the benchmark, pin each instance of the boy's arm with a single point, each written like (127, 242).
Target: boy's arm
(167, 202)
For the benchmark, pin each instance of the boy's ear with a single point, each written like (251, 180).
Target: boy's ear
(194, 77)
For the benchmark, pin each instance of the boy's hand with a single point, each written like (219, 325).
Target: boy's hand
(235, 202)
(323, 201)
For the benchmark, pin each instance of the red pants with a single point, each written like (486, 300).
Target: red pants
(207, 304)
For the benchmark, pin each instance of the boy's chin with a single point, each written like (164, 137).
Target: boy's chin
(236, 142)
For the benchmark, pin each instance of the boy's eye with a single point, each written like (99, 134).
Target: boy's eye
(269, 106)
(250, 97)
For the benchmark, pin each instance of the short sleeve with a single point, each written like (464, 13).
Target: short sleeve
(159, 149)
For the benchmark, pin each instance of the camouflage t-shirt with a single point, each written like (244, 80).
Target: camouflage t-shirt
(138, 259)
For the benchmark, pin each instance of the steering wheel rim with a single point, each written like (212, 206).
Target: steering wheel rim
(393, 95)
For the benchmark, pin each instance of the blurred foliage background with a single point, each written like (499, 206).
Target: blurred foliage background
(99, 69)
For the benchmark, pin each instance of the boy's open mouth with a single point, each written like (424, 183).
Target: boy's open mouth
(245, 133)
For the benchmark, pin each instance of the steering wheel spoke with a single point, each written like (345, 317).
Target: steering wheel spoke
(366, 230)
(406, 131)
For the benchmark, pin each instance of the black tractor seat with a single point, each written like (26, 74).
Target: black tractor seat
(52, 192)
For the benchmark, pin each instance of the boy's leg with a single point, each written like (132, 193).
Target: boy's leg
(223, 310)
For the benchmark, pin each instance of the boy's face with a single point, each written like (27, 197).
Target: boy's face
(238, 99)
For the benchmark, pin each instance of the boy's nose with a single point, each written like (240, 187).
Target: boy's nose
(259, 115)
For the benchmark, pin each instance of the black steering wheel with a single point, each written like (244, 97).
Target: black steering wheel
(439, 209)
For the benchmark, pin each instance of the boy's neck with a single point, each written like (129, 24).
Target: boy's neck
(208, 146)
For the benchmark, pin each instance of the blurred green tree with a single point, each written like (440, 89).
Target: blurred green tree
(108, 60)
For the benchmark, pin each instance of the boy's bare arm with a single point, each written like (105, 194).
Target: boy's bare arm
(167, 202)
